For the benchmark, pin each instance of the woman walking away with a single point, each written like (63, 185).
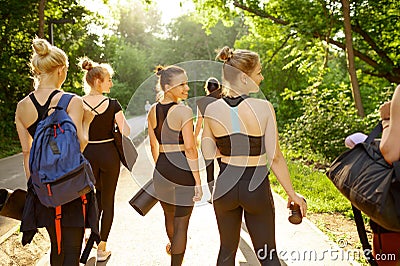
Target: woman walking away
(176, 176)
(49, 66)
(213, 93)
(101, 150)
(242, 131)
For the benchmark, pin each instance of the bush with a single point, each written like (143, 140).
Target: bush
(329, 116)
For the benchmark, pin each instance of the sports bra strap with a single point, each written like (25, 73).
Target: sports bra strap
(94, 108)
(47, 103)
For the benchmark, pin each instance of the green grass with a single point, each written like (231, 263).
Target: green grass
(9, 146)
(322, 196)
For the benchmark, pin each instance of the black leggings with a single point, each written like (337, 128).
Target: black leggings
(105, 163)
(173, 183)
(71, 244)
(210, 173)
(234, 195)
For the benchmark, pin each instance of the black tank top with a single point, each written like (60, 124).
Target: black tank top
(41, 110)
(102, 124)
(166, 135)
(237, 143)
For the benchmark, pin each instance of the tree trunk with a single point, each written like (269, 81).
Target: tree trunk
(350, 58)
(42, 4)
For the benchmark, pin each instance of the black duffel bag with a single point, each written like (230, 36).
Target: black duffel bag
(371, 184)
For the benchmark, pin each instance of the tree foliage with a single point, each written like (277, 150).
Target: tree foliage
(301, 44)
(375, 26)
(19, 23)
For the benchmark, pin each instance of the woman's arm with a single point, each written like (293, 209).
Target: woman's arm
(24, 137)
(277, 161)
(76, 111)
(189, 143)
(198, 123)
(154, 145)
(208, 144)
(120, 119)
(191, 149)
(390, 144)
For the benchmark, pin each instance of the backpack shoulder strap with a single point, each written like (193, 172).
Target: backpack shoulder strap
(64, 100)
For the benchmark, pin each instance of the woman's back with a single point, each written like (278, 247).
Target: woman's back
(249, 117)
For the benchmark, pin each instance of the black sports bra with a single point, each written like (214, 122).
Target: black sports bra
(166, 135)
(41, 110)
(237, 143)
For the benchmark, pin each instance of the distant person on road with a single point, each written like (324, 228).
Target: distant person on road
(213, 92)
(387, 242)
(147, 107)
(242, 131)
(49, 66)
(101, 150)
(176, 176)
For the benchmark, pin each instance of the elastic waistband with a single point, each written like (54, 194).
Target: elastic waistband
(171, 147)
(100, 141)
(245, 161)
(245, 173)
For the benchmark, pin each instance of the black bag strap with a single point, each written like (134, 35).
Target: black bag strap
(362, 234)
(374, 133)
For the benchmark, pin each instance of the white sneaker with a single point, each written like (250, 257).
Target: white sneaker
(103, 255)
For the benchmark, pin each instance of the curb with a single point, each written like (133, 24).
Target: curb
(9, 233)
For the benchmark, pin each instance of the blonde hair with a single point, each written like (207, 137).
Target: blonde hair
(243, 60)
(93, 71)
(45, 59)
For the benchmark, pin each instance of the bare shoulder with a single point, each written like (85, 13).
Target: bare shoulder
(24, 104)
(261, 103)
(396, 93)
(181, 108)
(215, 104)
(153, 107)
(77, 100)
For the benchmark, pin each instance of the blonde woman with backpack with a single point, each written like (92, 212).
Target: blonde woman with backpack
(49, 66)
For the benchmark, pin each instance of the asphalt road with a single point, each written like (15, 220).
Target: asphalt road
(12, 174)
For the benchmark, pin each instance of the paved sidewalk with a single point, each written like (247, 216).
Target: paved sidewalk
(137, 240)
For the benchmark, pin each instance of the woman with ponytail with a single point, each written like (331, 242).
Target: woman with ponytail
(242, 131)
(176, 174)
(101, 150)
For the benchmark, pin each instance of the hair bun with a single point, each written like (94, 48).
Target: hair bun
(159, 69)
(87, 64)
(225, 54)
(41, 46)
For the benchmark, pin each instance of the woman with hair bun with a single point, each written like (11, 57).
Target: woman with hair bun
(49, 66)
(176, 176)
(101, 150)
(213, 92)
(242, 131)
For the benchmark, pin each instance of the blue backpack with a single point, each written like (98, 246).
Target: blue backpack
(59, 171)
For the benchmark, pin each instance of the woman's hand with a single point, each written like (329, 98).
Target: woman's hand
(384, 111)
(299, 200)
(198, 193)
